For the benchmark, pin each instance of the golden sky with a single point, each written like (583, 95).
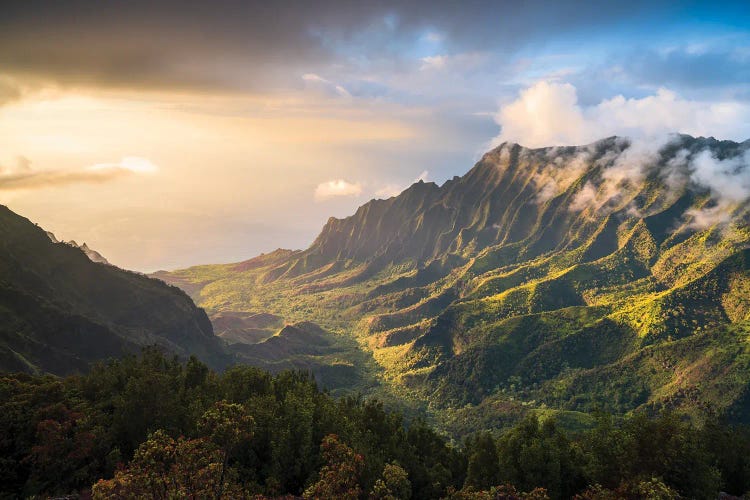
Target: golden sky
(174, 133)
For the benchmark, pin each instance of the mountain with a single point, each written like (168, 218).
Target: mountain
(92, 254)
(565, 279)
(59, 311)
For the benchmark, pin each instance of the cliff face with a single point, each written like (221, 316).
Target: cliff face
(62, 311)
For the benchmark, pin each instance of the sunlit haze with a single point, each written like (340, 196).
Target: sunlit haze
(178, 133)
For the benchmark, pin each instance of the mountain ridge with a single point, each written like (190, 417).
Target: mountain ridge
(62, 311)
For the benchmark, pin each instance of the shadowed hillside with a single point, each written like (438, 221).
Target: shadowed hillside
(59, 311)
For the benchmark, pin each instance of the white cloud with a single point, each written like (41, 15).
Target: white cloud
(433, 62)
(548, 114)
(335, 188)
(456, 62)
(728, 181)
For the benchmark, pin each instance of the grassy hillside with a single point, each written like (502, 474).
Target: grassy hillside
(547, 280)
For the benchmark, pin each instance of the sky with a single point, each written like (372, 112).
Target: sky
(172, 133)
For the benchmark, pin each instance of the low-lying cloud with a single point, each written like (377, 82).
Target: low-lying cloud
(728, 181)
(548, 114)
(719, 172)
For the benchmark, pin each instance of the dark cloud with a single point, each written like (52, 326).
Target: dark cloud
(249, 44)
(10, 90)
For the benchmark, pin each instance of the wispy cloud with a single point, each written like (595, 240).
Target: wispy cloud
(133, 164)
(325, 86)
(455, 62)
(22, 176)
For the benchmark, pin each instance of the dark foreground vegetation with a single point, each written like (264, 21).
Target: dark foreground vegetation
(151, 426)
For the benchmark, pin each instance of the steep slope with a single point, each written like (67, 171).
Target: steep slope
(538, 270)
(59, 311)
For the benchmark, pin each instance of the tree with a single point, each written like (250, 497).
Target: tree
(484, 462)
(68, 449)
(535, 454)
(503, 492)
(339, 477)
(165, 468)
(393, 485)
(226, 425)
(653, 489)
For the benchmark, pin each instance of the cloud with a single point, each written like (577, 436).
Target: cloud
(617, 169)
(433, 62)
(560, 173)
(245, 44)
(548, 114)
(728, 181)
(319, 84)
(22, 177)
(336, 188)
(457, 62)
(133, 164)
(10, 90)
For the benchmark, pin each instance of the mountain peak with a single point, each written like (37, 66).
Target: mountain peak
(92, 254)
(516, 194)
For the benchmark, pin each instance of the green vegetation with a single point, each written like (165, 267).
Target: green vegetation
(153, 427)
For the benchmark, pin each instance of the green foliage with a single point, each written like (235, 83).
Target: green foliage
(503, 492)
(393, 485)
(539, 454)
(246, 433)
(246, 428)
(339, 476)
(482, 471)
(653, 489)
(165, 468)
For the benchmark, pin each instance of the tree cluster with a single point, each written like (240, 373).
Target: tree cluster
(153, 427)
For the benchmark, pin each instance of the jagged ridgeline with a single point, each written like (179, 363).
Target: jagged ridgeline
(60, 311)
(611, 275)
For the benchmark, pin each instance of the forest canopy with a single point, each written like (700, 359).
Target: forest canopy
(156, 427)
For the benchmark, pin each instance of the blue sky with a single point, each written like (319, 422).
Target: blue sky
(261, 120)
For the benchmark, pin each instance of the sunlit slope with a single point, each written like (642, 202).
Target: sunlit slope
(542, 277)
